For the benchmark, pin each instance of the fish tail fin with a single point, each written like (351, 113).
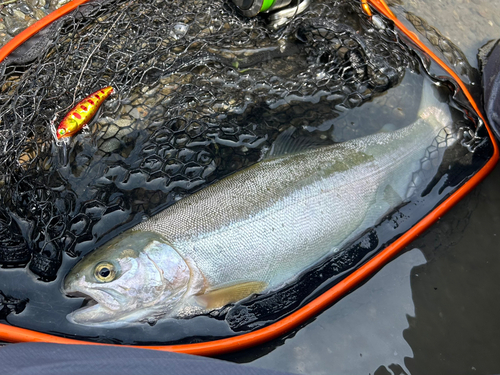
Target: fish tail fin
(437, 116)
(433, 110)
(436, 113)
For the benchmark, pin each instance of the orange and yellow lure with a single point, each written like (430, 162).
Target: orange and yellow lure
(82, 113)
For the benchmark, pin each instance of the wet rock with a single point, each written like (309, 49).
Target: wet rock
(24, 8)
(16, 12)
(39, 14)
(4, 38)
(21, 14)
(139, 112)
(58, 3)
(110, 145)
(14, 25)
(36, 3)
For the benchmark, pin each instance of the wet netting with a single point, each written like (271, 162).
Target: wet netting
(200, 92)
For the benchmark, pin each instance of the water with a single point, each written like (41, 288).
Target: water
(434, 309)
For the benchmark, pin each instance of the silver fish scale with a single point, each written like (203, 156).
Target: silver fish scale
(286, 213)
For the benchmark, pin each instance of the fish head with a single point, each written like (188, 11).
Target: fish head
(67, 128)
(136, 277)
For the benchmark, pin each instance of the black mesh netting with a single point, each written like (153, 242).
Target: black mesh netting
(201, 92)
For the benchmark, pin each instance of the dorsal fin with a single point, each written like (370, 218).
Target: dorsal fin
(287, 144)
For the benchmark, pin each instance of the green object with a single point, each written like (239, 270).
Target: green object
(266, 5)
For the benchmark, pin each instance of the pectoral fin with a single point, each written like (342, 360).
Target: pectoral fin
(215, 298)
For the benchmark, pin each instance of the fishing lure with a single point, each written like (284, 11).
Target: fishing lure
(82, 113)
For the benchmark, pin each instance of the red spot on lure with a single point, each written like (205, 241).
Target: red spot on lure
(82, 113)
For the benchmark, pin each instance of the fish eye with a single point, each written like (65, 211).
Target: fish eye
(104, 272)
(62, 131)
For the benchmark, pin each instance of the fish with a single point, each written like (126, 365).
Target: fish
(81, 114)
(253, 231)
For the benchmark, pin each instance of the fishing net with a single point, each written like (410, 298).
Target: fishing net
(200, 92)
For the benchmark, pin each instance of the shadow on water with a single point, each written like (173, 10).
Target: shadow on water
(433, 310)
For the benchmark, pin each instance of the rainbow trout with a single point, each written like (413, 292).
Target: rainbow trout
(253, 231)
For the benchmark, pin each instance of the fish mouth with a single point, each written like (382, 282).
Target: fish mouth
(87, 300)
(107, 297)
(92, 311)
(87, 303)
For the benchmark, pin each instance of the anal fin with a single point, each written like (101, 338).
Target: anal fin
(219, 297)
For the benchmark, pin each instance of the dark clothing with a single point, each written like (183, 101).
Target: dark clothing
(55, 359)
(491, 85)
